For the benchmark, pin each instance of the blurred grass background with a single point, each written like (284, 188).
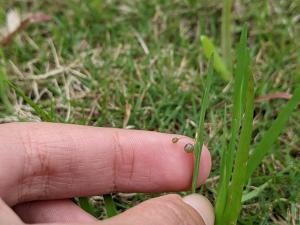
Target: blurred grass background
(139, 65)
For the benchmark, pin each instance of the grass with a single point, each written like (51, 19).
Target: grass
(226, 33)
(3, 85)
(85, 204)
(229, 153)
(208, 50)
(101, 76)
(233, 180)
(110, 205)
(200, 133)
(265, 145)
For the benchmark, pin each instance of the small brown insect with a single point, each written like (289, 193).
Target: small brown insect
(189, 148)
(175, 139)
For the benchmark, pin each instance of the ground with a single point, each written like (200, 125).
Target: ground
(140, 65)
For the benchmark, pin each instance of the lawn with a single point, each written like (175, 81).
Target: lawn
(140, 65)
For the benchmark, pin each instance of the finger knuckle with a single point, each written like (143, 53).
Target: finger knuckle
(124, 163)
(35, 164)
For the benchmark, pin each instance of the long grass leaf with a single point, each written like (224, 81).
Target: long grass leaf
(239, 175)
(200, 130)
(266, 143)
(243, 59)
(242, 70)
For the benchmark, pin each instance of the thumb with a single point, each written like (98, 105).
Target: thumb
(168, 210)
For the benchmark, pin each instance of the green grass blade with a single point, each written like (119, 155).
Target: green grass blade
(200, 130)
(242, 71)
(239, 175)
(85, 204)
(256, 192)
(3, 83)
(3, 89)
(42, 113)
(226, 36)
(209, 50)
(265, 145)
(243, 60)
(110, 206)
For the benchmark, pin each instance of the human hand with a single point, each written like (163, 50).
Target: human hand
(44, 164)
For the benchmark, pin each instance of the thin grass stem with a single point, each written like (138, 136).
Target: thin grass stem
(110, 205)
(200, 130)
(3, 84)
(226, 41)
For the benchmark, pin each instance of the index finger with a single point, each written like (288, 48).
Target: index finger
(40, 161)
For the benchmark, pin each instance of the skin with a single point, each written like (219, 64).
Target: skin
(43, 165)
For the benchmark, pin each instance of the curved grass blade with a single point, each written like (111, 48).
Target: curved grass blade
(200, 130)
(256, 192)
(209, 50)
(265, 145)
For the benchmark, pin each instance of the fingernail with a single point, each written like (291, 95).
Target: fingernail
(202, 206)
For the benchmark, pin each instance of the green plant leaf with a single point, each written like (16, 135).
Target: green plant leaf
(85, 204)
(42, 113)
(200, 129)
(110, 206)
(239, 175)
(256, 192)
(226, 36)
(266, 143)
(241, 73)
(209, 50)
(3, 83)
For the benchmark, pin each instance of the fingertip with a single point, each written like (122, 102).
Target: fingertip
(183, 171)
(203, 206)
(169, 209)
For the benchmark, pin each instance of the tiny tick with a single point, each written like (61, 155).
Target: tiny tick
(175, 139)
(189, 148)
